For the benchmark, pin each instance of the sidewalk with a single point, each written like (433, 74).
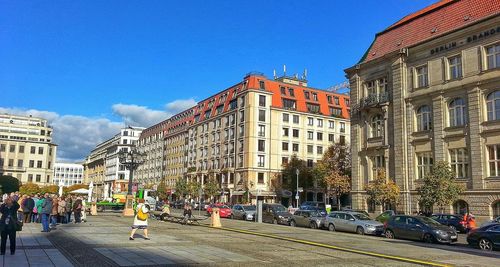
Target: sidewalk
(33, 249)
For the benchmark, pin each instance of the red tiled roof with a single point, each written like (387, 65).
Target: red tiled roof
(443, 16)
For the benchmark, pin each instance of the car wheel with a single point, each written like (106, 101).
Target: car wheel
(244, 217)
(360, 230)
(313, 225)
(100, 209)
(389, 234)
(428, 238)
(331, 227)
(293, 224)
(485, 244)
(275, 221)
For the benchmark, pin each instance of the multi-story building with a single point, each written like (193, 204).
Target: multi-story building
(95, 169)
(26, 148)
(151, 142)
(427, 90)
(68, 173)
(243, 135)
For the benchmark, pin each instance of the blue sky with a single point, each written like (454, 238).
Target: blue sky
(125, 61)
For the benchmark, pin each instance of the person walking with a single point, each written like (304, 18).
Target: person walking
(141, 220)
(53, 212)
(34, 214)
(38, 205)
(77, 210)
(46, 211)
(27, 206)
(69, 208)
(8, 225)
(61, 210)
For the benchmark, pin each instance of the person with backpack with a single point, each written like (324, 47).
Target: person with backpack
(141, 220)
(38, 205)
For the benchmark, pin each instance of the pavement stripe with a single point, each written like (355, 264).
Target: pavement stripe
(312, 243)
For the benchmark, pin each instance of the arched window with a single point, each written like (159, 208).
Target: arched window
(424, 118)
(495, 207)
(493, 106)
(460, 207)
(458, 112)
(377, 124)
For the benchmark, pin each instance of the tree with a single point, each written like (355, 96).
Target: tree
(382, 192)
(211, 188)
(181, 187)
(338, 184)
(51, 189)
(162, 189)
(29, 189)
(439, 187)
(193, 188)
(289, 174)
(9, 184)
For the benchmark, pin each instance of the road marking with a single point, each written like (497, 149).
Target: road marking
(357, 251)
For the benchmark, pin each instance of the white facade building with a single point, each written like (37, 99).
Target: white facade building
(68, 173)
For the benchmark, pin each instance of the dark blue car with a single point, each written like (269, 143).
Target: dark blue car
(456, 222)
(486, 237)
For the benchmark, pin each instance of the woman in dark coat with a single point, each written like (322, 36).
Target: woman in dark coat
(8, 225)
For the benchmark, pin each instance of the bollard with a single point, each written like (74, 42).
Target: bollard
(93, 209)
(215, 219)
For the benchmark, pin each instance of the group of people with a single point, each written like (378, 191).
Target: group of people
(48, 210)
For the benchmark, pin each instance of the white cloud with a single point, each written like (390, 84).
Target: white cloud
(179, 105)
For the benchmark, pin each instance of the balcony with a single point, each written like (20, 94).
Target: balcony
(374, 100)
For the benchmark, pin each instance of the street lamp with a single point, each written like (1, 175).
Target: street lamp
(297, 196)
(131, 160)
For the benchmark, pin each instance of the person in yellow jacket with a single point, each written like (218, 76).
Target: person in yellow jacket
(141, 220)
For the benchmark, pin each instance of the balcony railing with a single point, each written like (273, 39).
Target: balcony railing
(374, 100)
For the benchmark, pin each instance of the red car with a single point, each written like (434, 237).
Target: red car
(224, 210)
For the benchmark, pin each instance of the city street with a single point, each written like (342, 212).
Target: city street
(103, 241)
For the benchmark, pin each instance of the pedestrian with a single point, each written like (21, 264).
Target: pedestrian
(34, 214)
(84, 210)
(77, 210)
(141, 220)
(69, 208)
(46, 211)
(20, 212)
(187, 213)
(61, 210)
(53, 213)
(38, 206)
(27, 207)
(8, 225)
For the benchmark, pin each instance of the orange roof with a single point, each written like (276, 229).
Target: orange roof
(435, 20)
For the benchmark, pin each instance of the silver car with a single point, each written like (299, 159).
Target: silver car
(307, 218)
(243, 212)
(353, 222)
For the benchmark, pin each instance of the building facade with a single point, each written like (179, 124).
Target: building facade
(27, 151)
(151, 142)
(68, 173)
(425, 91)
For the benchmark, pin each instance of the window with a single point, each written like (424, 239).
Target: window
(125, 141)
(347, 102)
(370, 88)
(342, 127)
(422, 76)
(260, 178)
(30, 178)
(424, 164)
(262, 115)
(331, 124)
(320, 123)
(319, 150)
(315, 96)
(284, 160)
(289, 104)
(262, 130)
(285, 132)
(307, 96)
(377, 124)
(331, 138)
(455, 67)
(312, 108)
(33, 150)
(283, 90)
(335, 112)
(291, 92)
(310, 121)
(378, 162)
(11, 163)
(295, 118)
(424, 120)
(21, 149)
(286, 117)
(329, 98)
(261, 145)
(319, 136)
(493, 106)
(493, 56)
(295, 133)
(494, 160)
(2, 147)
(32, 164)
(310, 163)
(262, 100)
(20, 163)
(295, 147)
(284, 146)
(342, 139)
(310, 135)
(310, 149)
(12, 148)
(260, 162)
(459, 161)
(39, 164)
(336, 100)
(262, 85)
(458, 112)
(38, 178)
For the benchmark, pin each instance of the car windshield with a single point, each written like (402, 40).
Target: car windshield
(429, 221)
(250, 208)
(222, 206)
(278, 208)
(361, 216)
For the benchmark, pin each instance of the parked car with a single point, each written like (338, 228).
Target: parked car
(419, 228)
(496, 220)
(315, 204)
(224, 210)
(243, 212)
(486, 237)
(454, 221)
(358, 211)
(307, 218)
(275, 213)
(322, 211)
(384, 216)
(355, 222)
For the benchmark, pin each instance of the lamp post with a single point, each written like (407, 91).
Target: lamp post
(131, 160)
(297, 196)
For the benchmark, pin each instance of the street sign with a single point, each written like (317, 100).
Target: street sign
(300, 189)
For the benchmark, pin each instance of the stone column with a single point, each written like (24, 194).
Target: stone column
(476, 144)
(438, 125)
